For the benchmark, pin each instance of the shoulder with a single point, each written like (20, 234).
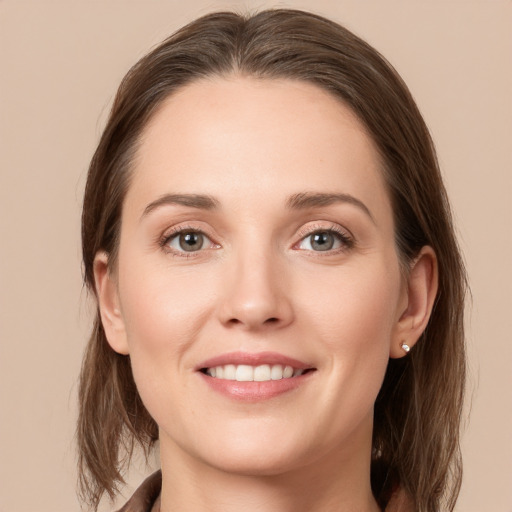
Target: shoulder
(147, 497)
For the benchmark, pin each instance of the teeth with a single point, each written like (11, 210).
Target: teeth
(247, 373)
(277, 372)
(230, 372)
(244, 373)
(287, 372)
(262, 373)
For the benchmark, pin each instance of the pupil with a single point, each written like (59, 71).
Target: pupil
(191, 241)
(322, 241)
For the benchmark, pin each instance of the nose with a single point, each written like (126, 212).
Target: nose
(256, 294)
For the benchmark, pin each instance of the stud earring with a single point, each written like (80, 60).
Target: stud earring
(406, 348)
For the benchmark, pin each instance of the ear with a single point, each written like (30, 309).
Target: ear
(108, 302)
(419, 295)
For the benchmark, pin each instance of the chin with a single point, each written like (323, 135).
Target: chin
(258, 452)
(263, 463)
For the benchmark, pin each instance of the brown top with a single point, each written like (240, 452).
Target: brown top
(147, 498)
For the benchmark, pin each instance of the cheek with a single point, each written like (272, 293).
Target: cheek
(159, 328)
(161, 306)
(163, 313)
(357, 306)
(354, 319)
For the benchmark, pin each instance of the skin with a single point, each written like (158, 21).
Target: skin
(258, 284)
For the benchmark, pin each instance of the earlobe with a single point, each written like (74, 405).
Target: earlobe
(421, 291)
(108, 302)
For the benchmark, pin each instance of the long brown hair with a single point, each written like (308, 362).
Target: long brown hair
(418, 409)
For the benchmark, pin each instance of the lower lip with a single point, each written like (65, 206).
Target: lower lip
(254, 391)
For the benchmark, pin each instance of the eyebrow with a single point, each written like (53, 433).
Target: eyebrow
(304, 200)
(199, 201)
(299, 201)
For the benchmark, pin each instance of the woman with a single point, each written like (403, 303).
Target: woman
(280, 293)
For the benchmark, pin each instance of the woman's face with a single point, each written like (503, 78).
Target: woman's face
(257, 234)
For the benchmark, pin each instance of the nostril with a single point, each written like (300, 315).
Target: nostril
(236, 321)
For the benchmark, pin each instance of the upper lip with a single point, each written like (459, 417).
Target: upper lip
(253, 359)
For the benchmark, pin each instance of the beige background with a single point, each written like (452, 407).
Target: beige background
(60, 64)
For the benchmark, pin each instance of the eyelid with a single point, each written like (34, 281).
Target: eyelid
(174, 231)
(346, 237)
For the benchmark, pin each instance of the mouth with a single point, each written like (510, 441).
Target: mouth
(249, 373)
(254, 377)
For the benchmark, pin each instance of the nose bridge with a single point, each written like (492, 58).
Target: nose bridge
(255, 295)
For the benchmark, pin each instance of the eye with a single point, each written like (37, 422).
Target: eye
(188, 241)
(325, 240)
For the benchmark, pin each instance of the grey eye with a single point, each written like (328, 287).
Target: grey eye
(322, 241)
(189, 241)
(325, 240)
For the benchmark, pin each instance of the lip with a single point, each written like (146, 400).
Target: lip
(253, 359)
(253, 391)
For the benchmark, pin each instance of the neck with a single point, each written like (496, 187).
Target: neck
(335, 482)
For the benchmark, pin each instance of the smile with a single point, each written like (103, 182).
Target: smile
(252, 377)
(248, 373)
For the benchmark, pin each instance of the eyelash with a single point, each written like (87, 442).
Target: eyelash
(343, 237)
(347, 241)
(176, 231)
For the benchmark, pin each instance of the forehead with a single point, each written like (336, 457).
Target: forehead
(255, 137)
